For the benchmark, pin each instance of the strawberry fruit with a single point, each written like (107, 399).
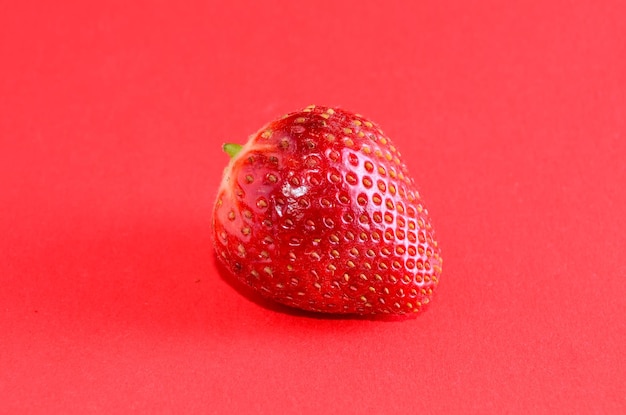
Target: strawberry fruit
(317, 211)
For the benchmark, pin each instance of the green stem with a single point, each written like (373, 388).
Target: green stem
(232, 149)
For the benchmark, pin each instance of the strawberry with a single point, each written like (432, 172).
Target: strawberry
(317, 211)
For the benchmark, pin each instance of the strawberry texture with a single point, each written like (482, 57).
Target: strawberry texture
(318, 211)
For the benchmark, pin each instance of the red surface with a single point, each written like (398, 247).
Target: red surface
(511, 116)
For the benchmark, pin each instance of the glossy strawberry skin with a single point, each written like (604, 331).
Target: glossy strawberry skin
(317, 211)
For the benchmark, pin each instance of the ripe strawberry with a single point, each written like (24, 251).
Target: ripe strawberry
(318, 212)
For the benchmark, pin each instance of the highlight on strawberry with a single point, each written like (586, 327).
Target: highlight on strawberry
(318, 211)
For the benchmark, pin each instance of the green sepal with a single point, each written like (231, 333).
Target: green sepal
(232, 149)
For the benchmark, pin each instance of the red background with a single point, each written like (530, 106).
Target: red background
(511, 116)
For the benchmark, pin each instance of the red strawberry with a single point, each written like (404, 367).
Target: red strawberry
(317, 211)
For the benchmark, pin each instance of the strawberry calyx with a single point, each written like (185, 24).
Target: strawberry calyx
(232, 149)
